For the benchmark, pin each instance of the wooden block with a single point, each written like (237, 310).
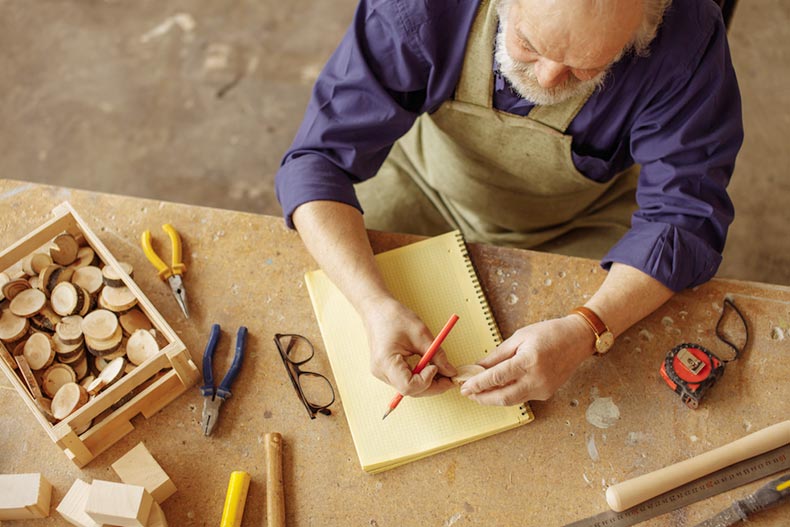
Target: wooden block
(157, 517)
(119, 504)
(138, 467)
(72, 506)
(24, 496)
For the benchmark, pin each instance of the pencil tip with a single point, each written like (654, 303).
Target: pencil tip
(386, 413)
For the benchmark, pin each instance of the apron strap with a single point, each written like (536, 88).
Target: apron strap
(559, 116)
(476, 85)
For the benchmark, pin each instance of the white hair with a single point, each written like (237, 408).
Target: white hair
(652, 17)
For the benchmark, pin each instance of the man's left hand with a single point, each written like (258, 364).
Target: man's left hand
(533, 363)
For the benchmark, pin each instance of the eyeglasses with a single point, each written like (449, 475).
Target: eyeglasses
(314, 389)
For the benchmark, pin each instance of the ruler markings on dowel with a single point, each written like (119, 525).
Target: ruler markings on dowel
(720, 481)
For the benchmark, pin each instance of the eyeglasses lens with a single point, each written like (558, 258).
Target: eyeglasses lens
(316, 389)
(298, 349)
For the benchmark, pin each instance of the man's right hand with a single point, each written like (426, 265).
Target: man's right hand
(335, 235)
(396, 334)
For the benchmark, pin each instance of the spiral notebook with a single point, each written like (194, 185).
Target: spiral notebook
(435, 278)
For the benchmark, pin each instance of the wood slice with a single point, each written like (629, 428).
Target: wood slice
(111, 373)
(33, 281)
(35, 263)
(69, 330)
(99, 363)
(69, 398)
(67, 299)
(100, 325)
(85, 257)
(112, 278)
(64, 275)
(19, 348)
(12, 327)
(120, 352)
(466, 372)
(89, 278)
(86, 303)
(65, 249)
(4, 279)
(14, 287)
(28, 377)
(28, 303)
(102, 348)
(80, 367)
(79, 237)
(56, 376)
(118, 299)
(61, 348)
(45, 320)
(133, 320)
(141, 346)
(45, 277)
(39, 351)
(85, 382)
(71, 358)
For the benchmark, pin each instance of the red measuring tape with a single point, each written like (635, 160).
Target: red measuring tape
(691, 370)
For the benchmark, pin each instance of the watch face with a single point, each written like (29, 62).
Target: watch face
(604, 342)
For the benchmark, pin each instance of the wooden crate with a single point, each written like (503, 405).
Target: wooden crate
(165, 375)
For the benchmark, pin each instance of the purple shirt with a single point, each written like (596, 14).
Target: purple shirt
(677, 113)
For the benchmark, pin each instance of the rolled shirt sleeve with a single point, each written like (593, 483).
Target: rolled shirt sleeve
(686, 139)
(390, 66)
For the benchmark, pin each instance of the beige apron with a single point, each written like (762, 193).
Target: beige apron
(500, 178)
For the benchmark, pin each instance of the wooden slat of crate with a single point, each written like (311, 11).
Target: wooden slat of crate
(173, 357)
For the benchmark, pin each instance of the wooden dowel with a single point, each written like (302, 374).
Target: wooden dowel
(634, 491)
(275, 492)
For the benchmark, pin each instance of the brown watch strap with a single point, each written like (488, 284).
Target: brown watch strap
(592, 319)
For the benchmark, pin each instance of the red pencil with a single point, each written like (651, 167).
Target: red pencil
(432, 349)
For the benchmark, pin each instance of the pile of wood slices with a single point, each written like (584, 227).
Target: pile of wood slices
(70, 325)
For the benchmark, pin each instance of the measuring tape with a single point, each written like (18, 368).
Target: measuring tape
(691, 370)
(723, 480)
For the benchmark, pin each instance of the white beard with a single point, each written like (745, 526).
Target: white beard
(521, 75)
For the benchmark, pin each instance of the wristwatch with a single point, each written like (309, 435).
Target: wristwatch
(604, 339)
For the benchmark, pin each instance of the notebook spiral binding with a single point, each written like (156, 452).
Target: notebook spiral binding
(492, 327)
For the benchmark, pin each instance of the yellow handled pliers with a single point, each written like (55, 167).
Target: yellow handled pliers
(173, 272)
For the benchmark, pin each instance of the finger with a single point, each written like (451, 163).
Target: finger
(510, 395)
(498, 376)
(443, 363)
(419, 383)
(438, 386)
(396, 372)
(501, 353)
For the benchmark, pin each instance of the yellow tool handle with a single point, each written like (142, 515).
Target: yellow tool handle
(164, 270)
(176, 265)
(235, 499)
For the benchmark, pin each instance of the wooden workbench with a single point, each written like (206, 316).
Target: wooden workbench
(246, 269)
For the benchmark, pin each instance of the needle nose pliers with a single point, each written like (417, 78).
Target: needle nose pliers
(173, 272)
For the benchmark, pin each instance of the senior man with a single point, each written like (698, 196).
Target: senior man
(598, 128)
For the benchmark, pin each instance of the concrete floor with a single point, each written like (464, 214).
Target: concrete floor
(196, 101)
